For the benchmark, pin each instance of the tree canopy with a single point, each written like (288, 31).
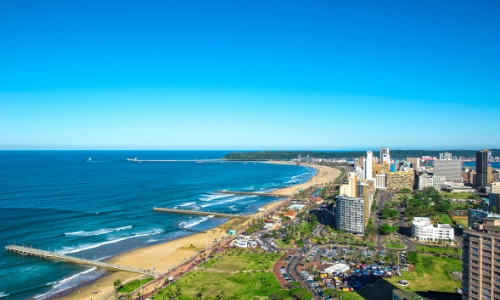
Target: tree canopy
(400, 154)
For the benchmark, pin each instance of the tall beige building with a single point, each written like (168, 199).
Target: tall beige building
(349, 189)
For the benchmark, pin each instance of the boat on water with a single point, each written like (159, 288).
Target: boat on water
(133, 159)
(90, 158)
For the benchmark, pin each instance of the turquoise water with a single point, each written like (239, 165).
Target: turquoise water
(62, 201)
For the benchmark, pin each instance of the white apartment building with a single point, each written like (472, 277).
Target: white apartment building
(380, 181)
(360, 173)
(423, 230)
(369, 165)
(426, 180)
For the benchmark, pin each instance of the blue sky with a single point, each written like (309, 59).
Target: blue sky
(325, 75)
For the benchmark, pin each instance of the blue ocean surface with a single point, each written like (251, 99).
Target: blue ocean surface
(96, 204)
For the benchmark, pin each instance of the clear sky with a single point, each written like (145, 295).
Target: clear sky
(322, 75)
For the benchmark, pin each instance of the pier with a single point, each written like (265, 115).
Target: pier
(249, 193)
(197, 212)
(77, 260)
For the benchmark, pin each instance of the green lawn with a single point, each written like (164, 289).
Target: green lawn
(439, 250)
(435, 276)
(220, 280)
(463, 222)
(236, 259)
(455, 195)
(444, 218)
(397, 246)
(133, 285)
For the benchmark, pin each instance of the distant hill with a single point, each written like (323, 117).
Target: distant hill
(398, 154)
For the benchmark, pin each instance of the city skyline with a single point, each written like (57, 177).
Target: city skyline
(237, 76)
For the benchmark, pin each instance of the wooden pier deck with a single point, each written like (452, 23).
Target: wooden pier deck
(77, 260)
(249, 193)
(197, 212)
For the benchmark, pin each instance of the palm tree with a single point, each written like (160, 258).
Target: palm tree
(117, 284)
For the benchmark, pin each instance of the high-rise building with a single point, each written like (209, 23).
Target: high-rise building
(448, 167)
(349, 189)
(481, 260)
(380, 181)
(385, 157)
(349, 214)
(399, 180)
(415, 162)
(482, 167)
(360, 173)
(369, 165)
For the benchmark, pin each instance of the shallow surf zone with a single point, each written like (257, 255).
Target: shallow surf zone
(98, 232)
(72, 281)
(194, 222)
(82, 247)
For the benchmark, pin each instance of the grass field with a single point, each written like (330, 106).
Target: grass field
(435, 276)
(462, 222)
(219, 279)
(439, 250)
(211, 284)
(133, 285)
(455, 195)
(394, 245)
(444, 219)
(236, 260)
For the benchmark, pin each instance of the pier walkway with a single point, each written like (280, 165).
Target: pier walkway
(249, 193)
(77, 260)
(197, 212)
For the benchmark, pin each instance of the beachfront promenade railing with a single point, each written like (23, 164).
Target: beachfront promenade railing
(77, 260)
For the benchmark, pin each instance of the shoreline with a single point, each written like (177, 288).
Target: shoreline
(166, 256)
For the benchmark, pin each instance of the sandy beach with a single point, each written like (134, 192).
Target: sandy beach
(163, 257)
(325, 175)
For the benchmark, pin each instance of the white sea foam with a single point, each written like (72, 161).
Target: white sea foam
(71, 281)
(236, 198)
(232, 208)
(97, 232)
(188, 224)
(214, 196)
(58, 284)
(67, 250)
(2, 294)
(187, 204)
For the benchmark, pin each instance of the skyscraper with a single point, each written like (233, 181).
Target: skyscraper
(385, 157)
(480, 275)
(369, 165)
(482, 167)
(447, 167)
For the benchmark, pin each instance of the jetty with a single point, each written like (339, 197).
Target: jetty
(198, 212)
(249, 193)
(77, 260)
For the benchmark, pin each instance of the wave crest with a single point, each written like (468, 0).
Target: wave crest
(97, 232)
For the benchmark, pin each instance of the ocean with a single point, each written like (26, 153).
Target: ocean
(99, 207)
